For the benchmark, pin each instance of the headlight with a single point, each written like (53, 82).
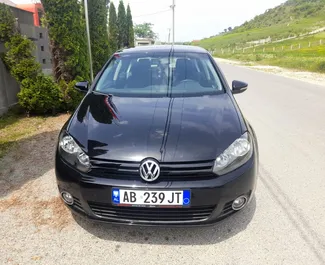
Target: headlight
(73, 154)
(237, 154)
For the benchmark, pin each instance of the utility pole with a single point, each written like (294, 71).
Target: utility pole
(169, 35)
(173, 9)
(88, 41)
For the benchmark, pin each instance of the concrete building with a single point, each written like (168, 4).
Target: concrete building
(144, 41)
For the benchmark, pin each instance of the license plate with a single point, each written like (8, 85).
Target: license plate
(151, 197)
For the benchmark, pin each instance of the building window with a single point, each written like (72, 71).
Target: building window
(41, 35)
(44, 61)
(42, 48)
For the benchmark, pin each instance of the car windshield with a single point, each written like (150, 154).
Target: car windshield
(160, 74)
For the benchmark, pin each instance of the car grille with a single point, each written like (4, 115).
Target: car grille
(227, 210)
(199, 170)
(151, 214)
(77, 204)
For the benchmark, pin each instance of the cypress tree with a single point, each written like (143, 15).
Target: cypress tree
(67, 32)
(98, 33)
(112, 29)
(130, 42)
(122, 26)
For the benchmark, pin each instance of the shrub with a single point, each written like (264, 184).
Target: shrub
(40, 95)
(71, 96)
(321, 67)
(258, 57)
(19, 58)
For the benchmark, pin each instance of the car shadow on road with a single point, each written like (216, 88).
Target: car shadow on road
(28, 159)
(219, 232)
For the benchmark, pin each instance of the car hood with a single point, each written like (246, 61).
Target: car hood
(167, 129)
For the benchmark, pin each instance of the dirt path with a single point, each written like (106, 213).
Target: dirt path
(310, 77)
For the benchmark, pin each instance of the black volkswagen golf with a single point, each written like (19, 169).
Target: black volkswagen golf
(158, 139)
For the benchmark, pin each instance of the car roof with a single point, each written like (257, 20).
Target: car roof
(164, 48)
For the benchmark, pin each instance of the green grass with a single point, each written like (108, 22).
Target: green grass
(293, 18)
(306, 58)
(14, 127)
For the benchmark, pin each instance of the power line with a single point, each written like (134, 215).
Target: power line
(163, 11)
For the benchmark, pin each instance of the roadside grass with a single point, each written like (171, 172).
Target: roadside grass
(305, 53)
(280, 54)
(15, 127)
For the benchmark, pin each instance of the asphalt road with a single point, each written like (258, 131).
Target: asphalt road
(284, 224)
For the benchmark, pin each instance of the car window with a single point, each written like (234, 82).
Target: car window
(160, 74)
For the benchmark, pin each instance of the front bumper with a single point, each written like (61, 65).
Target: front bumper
(211, 199)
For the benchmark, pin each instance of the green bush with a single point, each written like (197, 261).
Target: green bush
(71, 96)
(19, 58)
(258, 57)
(40, 95)
(321, 67)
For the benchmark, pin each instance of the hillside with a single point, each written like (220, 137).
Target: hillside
(277, 36)
(292, 18)
(288, 13)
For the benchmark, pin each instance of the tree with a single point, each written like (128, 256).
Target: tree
(112, 29)
(144, 31)
(98, 33)
(230, 29)
(225, 30)
(19, 58)
(129, 21)
(7, 23)
(122, 26)
(67, 32)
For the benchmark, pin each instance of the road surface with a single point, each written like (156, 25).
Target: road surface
(284, 224)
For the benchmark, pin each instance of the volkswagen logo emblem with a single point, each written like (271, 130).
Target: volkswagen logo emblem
(149, 170)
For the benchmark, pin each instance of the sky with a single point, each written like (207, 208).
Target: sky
(194, 20)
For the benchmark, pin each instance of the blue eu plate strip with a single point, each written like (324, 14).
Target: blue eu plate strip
(116, 196)
(186, 197)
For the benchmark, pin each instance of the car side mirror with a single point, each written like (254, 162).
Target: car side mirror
(82, 86)
(239, 87)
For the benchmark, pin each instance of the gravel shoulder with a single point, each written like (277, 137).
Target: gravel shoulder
(309, 77)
